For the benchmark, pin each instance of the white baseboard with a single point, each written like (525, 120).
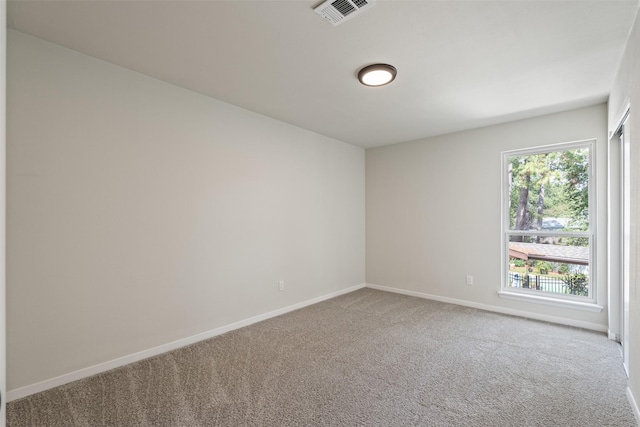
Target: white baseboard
(634, 405)
(145, 354)
(496, 309)
(613, 336)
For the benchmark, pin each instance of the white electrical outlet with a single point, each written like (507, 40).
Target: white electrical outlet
(281, 286)
(469, 280)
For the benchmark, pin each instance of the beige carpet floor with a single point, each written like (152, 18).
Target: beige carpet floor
(367, 358)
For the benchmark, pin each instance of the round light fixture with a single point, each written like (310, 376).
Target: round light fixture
(377, 74)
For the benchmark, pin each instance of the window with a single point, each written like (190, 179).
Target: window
(548, 223)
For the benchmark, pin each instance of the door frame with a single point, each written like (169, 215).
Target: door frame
(619, 239)
(3, 217)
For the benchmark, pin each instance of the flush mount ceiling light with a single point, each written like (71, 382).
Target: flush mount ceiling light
(377, 74)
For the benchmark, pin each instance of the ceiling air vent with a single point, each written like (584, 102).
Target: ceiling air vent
(338, 11)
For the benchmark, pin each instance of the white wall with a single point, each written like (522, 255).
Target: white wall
(626, 90)
(140, 213)
(433, 210)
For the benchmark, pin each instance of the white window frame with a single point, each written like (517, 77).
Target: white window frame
(562, 300)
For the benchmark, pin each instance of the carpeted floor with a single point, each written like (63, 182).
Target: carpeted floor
(367, 358)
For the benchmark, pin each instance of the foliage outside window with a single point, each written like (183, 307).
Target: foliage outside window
(547, 231)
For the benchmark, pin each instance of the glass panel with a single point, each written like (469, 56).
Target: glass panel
(549, 191)
(551, 264)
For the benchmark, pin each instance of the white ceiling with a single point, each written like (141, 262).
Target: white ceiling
(461, 64)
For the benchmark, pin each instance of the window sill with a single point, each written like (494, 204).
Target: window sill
(576, 305)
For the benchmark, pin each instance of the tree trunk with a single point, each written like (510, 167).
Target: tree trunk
(540, 206)
(540, 210)
(522, 214)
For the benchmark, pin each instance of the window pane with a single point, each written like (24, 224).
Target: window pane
(549, 191)
(551, 264)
